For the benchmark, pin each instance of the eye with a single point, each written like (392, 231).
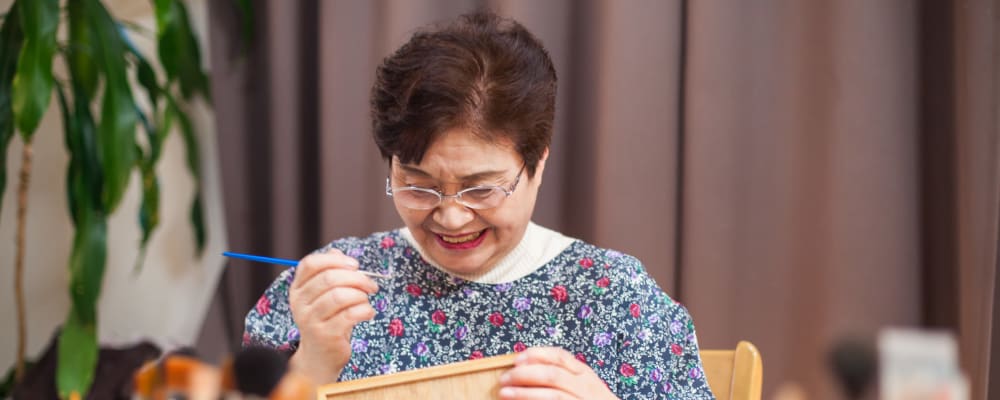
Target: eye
(478, 193)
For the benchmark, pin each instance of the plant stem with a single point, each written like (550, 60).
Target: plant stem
(22, 211)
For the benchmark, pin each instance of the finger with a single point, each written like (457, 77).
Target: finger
(551, 356)
(533, 393)
(336, 301)
(540, 375)
(315, 263)
(340, 325)
(330, 279)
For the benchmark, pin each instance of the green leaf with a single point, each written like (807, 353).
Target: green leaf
(84, 176)
(194, 166)
(33, 80)
(178, 49)
(149, 213)
(87, 261)
(11, 38)
(144, 71)
(118, 115)
(77, 356)
(78, 340)
(82, 66)
(149, 210)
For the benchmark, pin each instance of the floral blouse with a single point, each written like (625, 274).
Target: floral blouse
(598, 304)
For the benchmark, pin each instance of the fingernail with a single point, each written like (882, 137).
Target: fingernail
(504, 378)
(520, 358)
(506, 393)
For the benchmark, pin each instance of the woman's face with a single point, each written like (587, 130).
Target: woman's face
(460, 239)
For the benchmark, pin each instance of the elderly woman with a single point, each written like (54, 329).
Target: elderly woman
(463, 114)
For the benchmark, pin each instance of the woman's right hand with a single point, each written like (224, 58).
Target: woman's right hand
(328, 298)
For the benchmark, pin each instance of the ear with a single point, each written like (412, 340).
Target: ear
(540, 169)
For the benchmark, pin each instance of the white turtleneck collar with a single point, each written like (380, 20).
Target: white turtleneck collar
(538, 246)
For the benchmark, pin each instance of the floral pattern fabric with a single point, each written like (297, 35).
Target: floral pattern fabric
(598, 304)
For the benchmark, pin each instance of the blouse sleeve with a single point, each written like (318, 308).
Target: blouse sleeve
(269, 323)
(655, 349)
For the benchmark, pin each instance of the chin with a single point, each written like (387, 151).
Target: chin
(461, 265)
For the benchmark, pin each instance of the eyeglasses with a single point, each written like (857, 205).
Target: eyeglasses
(477, 198)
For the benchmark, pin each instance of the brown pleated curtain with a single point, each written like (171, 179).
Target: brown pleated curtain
(795, 172)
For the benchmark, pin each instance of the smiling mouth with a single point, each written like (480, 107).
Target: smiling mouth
(461, 239)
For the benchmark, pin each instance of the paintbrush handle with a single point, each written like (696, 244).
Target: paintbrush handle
(290, 263)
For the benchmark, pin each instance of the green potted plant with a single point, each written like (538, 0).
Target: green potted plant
(107, 134)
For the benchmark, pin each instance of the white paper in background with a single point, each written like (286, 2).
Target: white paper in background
(919, 364)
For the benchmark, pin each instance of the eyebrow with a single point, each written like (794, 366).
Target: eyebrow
(467, 178)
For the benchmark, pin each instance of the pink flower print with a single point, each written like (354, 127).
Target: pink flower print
(476, 355)
(586, 263)
(496, 319)
(519, 347)
(387, 242)
(559, 293)
(396, 328)
(603, 282)
(676, 349)
(634, 310)
(439, 317)
(581, 357)
(585, 312)
(246, 338)
(626, 370)
(414, 290)
(694, 373)
(263, 305)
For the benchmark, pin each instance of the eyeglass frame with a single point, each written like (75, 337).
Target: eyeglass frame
(458, 195)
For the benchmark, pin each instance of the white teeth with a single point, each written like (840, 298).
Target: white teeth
(461, 239)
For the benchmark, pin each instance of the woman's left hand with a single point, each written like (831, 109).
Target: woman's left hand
(551, 373)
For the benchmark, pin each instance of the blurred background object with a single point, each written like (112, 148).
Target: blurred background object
(920, 364)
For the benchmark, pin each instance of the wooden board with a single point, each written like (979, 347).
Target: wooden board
(471, 380)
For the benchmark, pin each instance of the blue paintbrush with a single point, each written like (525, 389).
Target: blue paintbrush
(290, 263)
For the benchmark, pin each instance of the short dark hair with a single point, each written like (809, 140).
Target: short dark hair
(480, 72)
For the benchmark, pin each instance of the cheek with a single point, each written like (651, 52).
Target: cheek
(412, 218)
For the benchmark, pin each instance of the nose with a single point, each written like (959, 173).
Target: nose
(452, 215)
